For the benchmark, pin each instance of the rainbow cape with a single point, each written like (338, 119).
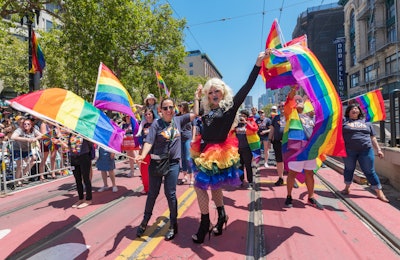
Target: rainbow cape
(60, 106)
(161, 84)
(372, 105)
(326, 138)
(38, 61)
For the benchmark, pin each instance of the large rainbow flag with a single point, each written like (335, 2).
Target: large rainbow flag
(161, 84)
(308, 72)
(372, 105)
(275, 68)
(63, 107)
(38, 61)
(111, 95)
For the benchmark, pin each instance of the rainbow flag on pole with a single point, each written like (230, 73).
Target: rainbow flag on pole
(111, 95)
(372, 105)
(38, 61)
(162, 84)
(275, 68)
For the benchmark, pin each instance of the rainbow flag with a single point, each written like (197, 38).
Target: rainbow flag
(372, 105)
(254, 142)
(162, 84)
(60, 106)
(274, 68)
(110, 94)
(38, 61)
(326, 138)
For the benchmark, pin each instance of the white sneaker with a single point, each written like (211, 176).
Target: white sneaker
(266, 165)
(114, 189)
(250, 186)
(103, 189)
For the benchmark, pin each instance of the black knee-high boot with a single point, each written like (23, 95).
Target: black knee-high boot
(205, 227)
(222, 219)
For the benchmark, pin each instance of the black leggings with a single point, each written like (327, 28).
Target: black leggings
(82, 164)
(245, 161)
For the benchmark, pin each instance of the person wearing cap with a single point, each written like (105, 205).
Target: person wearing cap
(246, 126)
(274, 112)
(151, 102)
(263, 130)
(294, 107)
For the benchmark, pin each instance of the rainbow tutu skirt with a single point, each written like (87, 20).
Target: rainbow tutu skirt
(217, 164)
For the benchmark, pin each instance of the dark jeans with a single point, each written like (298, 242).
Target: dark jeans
(82, 164)
(245, 161)
(366, 159)
(170, 181)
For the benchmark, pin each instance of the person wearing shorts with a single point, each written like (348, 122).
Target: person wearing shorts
(295, 103)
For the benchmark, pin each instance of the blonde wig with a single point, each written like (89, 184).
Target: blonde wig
(227, 96)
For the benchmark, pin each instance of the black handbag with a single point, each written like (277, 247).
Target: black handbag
(159, 167)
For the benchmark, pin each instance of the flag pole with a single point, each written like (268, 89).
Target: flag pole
(97, 82)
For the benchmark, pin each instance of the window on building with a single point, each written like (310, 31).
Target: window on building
(191, 72)
(354, 80)
(49, 25)
(52, 7)
(391, 64)
(390, 21)
(370, 73)
(371, 34)
(190, 64)
(353, 58)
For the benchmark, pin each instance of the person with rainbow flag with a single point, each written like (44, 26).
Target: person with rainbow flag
(215, 151)
(246, 130)
(360, 140)
(298, 129)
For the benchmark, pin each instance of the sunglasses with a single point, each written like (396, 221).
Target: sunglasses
(166, 108)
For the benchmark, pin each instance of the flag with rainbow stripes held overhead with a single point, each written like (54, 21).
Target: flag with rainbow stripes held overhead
(326, 138)
(111, 95)
(274, 69)
(372, 105)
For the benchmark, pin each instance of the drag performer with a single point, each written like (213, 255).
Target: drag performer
(215, 151)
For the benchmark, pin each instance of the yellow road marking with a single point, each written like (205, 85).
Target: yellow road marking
(152, 242)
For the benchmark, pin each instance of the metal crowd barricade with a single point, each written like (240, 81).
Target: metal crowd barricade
(30, 170)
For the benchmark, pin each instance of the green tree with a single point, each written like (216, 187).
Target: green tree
(133, 38)
(13, 60)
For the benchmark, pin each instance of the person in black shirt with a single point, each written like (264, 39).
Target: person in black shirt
(215, 151)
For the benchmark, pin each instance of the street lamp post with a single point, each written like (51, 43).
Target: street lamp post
(31, 75)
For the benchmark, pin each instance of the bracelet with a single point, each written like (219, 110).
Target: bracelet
(197, 99)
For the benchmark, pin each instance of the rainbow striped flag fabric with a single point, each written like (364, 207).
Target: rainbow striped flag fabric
(38, 61)
(275, 68)
(253, 139)
(326, 138)
(372, 105)
(162, 84)
(110, 94)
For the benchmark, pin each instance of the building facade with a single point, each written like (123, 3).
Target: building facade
(323, 26)
(372, 45)
(199, 64)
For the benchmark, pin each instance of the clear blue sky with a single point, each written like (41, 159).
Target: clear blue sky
(233, 32)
